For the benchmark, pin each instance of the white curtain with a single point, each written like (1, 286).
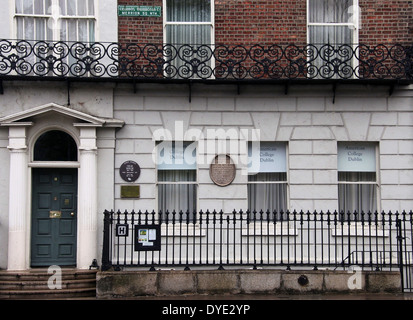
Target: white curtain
(322, 14)
(267, 196)
(357, 197)
(41, 28)
(330, 11)
(189, 22)
(177, 196)
(181, 11)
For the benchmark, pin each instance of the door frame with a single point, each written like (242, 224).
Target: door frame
(24, 129)
(51, 168)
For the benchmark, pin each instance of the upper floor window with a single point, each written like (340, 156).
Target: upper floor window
(188, 22)
(333, 21)
(188, 28)
(55, 20)
(333, 31)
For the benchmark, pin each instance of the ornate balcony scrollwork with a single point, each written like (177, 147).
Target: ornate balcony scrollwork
(136, 61)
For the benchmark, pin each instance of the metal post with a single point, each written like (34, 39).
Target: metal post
(400, 251)
(106, 261)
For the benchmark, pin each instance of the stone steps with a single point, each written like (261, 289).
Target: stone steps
(33, 284)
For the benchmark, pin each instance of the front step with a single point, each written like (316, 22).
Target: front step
(33, 284)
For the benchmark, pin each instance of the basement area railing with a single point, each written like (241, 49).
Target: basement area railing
(375, 241)
(220, 62)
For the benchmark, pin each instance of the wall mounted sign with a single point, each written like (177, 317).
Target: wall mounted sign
(176, 155)
(129, 171)
(356, 157)
(122, 230)
(222, 170)
(147, 237)
(129, 192)
(139, 11)
(267, 157)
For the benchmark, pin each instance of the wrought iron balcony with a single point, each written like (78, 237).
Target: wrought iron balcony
(219, 63)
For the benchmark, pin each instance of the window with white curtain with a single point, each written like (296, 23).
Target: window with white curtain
(188, 22)
(188, 27)
(357, 177)
(57, 20)
(177, 178)
(267, 177)
(333, 28)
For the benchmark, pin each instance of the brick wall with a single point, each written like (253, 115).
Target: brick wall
(266, 21)
(386, 21)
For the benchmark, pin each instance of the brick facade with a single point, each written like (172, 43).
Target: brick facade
(264, 21)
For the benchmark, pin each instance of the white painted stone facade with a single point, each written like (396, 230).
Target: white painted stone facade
(306, 119)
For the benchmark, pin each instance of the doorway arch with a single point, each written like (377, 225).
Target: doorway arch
(54, 201)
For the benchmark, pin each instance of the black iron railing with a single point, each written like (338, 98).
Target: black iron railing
(379, 241)
(143, 62)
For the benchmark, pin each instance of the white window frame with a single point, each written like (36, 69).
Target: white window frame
(377, 182)
(286, 181)
(210, 23)
(56, 13)
(355, 25)
(195, 183)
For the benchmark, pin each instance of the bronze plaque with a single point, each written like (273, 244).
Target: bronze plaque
(222, 170)
(129, 191)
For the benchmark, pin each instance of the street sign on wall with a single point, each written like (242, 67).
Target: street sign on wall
(139, 11)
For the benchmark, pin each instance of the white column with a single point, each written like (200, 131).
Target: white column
(87, 198)
(17, 251)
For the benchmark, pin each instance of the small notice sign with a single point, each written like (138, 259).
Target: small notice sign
(139, 11)
(147, 238)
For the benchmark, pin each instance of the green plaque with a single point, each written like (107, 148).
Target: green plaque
(129, 192)
(139, 11)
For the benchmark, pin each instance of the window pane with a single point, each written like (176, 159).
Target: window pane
(177, 197)
(330, 35)
(72, 30)
(62, 4)
(91, 31)
(188, 10)
(271, 196)
(184, 34)
(38, 7)
(176, 175)
(19, 6)
(91, 7)
(28, 6)
(330, 11)
(83, 33)
(40, 29)
(71, 7)
(357, 197)
(81, 7)
(55, 146)
(29, 28)
(268, 176)
(357, 176)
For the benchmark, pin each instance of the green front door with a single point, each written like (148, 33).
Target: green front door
(54, 217)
